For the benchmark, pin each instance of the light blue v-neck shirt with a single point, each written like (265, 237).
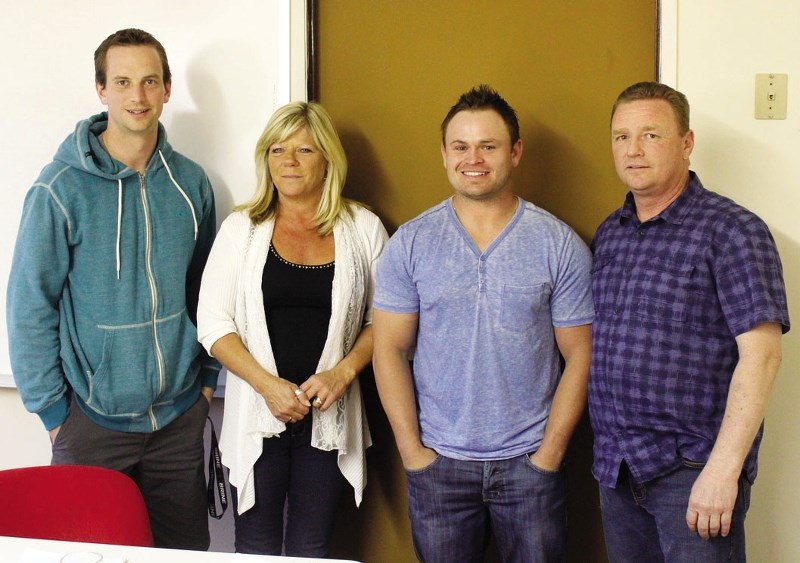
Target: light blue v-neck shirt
(486, 364)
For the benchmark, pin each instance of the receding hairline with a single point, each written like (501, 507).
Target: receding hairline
(648, 90)
(651, 127)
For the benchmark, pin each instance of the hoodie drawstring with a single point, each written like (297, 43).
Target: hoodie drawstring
(183, 193)
(119, 208)
(119, 220)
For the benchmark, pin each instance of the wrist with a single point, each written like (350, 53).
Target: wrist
(265, 383)
(207, 392)
(548, 457)
(410, 449)
(347, 372)
(722, 469)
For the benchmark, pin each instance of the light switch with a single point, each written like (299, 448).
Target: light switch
(771, 91)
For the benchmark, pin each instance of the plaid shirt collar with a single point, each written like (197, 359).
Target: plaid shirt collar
(675, 211)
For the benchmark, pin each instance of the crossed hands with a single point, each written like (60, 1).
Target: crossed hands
(289, 403)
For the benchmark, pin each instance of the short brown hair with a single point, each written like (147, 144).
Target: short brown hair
(484, 97)
(657, 91)
(128, 37)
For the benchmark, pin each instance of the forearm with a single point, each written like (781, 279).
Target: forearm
(569, 404)
(39, 374)
(359, 356)
(39, 271)
(396, 390)
(328, 386)
(236, 358)
(711, 502)
(569, 401)
(395, 335)
(746, 405)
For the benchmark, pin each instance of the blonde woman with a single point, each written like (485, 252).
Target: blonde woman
(285, 305)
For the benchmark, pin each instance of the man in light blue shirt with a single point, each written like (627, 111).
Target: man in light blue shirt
(490, 292)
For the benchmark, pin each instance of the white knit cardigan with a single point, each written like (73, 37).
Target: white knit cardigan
(231, 300)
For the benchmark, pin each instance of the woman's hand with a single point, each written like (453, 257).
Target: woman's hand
(284, 399)
(327, 387)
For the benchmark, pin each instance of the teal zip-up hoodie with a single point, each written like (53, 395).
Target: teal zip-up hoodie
(104, 284)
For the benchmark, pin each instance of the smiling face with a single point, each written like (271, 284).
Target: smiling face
(478, 155)
(297, 166)
(650, 153)
(134, 92)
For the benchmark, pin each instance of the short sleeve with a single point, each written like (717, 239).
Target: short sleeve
(749, 278)
(395, 290)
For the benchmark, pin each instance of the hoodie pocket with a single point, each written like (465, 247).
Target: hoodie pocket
(129, 379)
(126, 381)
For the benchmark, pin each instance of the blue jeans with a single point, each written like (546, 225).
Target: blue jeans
(454, 505)
(647, 522)
(298, 488)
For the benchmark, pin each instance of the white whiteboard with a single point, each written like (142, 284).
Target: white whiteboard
(232, 63)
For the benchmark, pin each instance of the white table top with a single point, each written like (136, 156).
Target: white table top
(12, 550)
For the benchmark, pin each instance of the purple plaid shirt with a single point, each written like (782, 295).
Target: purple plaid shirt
(671, 295)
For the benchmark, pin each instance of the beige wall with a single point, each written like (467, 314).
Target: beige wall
(23, 440)
(389, 71)
(715, 48)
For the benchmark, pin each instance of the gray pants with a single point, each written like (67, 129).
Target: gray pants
(167, 465)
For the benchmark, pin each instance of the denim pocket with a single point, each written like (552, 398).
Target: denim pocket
(691, 464)
(540, 470)
(421, 470)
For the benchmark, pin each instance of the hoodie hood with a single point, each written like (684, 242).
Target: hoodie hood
(83, 150)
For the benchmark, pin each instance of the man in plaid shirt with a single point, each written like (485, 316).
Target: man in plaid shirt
(690, 308)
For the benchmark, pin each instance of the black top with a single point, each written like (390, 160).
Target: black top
(297, 305)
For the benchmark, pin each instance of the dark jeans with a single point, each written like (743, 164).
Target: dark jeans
(453, 504)
(647, 522)
(298, 488)
(167, 465)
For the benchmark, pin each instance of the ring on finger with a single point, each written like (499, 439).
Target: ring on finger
(318, 402)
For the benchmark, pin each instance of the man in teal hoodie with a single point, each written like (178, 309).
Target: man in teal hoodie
(103, 291)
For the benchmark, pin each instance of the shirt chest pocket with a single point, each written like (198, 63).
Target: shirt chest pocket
(521, 305)
(667, 289)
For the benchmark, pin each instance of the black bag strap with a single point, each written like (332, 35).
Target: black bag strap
(216, 478)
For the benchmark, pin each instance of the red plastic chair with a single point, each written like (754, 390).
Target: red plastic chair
(73, 503)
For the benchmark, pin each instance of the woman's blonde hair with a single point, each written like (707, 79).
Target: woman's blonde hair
(284, 123)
